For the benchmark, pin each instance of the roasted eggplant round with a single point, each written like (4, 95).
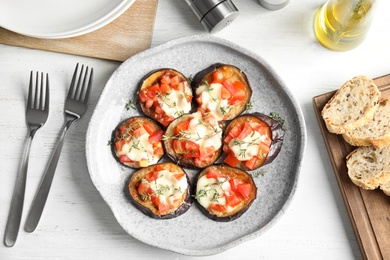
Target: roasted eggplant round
(137, 142)
(161, 191)
(194, 140)
(222, 90)
(224, 193)
(252, 140)
(164, 95)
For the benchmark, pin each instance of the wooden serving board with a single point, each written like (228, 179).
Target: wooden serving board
(369, 211)
(129, 34)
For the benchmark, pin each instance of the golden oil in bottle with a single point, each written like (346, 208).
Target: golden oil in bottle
(343, 24)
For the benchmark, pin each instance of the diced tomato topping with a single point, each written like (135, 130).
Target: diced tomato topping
(233, 184)
(119, 145)
(144, 189)
(156, 200)
(163, 208)
(142, 96)
(251, 163)
(139, 131)
(217, 207)
(178, 146)
(165, 88)
(232, 199)
(263, 150)
(217, 76)
(246, 130)
(149, 127)
(179, 176)
(213, 174)
(239, 85)
(231, 160)
(159, 167)
(182, 126)
(156, 137)
(153, 91)
(192, 149)
(235, 131)
(158, 151)
(244, 189)
(124, 158)
(152, 176)
(225, 94)
(122, 129)
(149, 103)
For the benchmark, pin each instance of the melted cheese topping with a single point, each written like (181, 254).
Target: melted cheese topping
(212, 101)
(248, 147)
(209, 191)
(204, 134)
(139, 149)
(175, 102)
(168, 188)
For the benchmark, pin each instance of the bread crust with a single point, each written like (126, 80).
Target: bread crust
(353, 105)
(369, 167)
(376, 132)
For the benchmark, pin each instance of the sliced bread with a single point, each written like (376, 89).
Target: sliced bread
(353, 105)
(376, 132)
(369, 167)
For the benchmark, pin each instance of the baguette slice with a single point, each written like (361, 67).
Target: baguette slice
(353, 105)
(386, 188)
(369, 167)
(376, 132)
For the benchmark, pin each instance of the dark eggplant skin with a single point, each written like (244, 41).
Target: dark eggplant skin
(148, 208)
(179, 159)
(116, 136)
(234, 73)
(155, 77)
(277, 136)
(229, 171)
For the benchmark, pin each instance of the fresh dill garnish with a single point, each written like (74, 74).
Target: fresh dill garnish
(278, 118)
(249, 106)
(132, 104)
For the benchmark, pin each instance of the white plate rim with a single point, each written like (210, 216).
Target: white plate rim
(299, 155)
(105, 19)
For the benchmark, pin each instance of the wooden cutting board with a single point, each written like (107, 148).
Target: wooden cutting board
(369, 211)
(129, 34)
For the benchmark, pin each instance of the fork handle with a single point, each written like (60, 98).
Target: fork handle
(44, 187)
(16, 209)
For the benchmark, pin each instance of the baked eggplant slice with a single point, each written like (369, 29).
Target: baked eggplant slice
(164, 95)
(224, 193)
(194, 140)
(161, 191)
(252, 140)
(137, 142)
(222, 90)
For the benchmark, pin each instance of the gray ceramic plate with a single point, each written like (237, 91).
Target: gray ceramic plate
(193, 233)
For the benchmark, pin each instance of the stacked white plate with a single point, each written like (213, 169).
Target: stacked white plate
(53, 19)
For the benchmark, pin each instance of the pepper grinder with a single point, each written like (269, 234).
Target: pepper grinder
(273, 4)
(214, 15)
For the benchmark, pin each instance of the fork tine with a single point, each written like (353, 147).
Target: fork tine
(30, 91)
(89, 86)
(47, 97)
(79, 90)
(72, 84)
(40, 104)
(36, 101)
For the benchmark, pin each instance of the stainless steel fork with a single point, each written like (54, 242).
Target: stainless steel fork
(75, 107)
(37, 112)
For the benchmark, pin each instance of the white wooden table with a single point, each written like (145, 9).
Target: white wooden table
(77, 223)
